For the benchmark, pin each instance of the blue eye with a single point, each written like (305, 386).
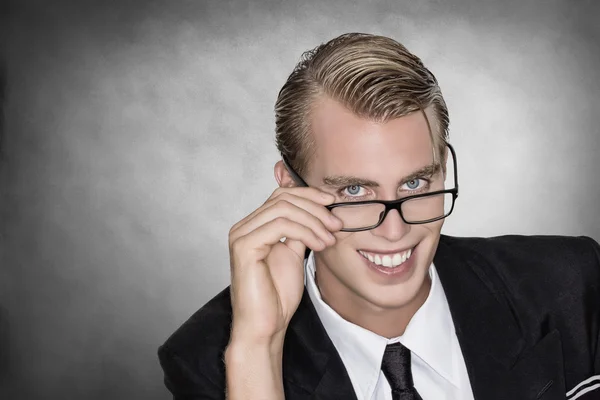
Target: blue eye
(353, 190)
(413, 184)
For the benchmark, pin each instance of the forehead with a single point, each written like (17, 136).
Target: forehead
(348, 144)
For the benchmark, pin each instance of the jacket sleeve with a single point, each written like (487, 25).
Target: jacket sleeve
(185, 382)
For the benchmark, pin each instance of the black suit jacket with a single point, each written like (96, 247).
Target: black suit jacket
(526, 311)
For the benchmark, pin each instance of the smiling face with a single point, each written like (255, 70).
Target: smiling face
(384, 156)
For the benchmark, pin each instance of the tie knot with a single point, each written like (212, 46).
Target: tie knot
(396, 367)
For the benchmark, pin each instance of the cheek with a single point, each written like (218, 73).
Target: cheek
(436, 226)
(343, 236)
(343, 240)
(350, 238)
(432, 228)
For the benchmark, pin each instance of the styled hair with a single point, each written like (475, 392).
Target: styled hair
(375, 77)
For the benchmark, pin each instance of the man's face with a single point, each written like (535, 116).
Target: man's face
(385, 153)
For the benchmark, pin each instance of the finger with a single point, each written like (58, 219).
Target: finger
(256, 245)
(285, 209)
(309, 193)
(318, 210)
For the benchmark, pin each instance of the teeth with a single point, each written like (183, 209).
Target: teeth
(387, 260)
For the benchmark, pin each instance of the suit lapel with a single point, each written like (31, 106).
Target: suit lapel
(312, 367)
(500, 362)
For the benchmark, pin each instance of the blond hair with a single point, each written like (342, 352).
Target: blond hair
(375, 77)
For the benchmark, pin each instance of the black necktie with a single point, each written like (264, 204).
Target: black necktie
(396, 368)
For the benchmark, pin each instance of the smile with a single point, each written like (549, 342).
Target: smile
(387, 260)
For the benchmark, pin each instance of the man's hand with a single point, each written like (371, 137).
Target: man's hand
(267, 275)
(267, 282)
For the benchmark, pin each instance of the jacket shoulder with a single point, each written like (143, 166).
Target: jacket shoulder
(578, 254)
(199, 343)
(546, 270)
(208, 326)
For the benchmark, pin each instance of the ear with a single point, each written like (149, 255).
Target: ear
(282, 176)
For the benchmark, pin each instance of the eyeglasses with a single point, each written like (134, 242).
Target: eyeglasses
(416, 209)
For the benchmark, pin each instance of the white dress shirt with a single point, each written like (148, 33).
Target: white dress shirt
(438, 367)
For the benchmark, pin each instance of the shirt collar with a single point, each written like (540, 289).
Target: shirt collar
(428, 335)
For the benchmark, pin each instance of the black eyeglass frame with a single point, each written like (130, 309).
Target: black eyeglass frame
(389, 204)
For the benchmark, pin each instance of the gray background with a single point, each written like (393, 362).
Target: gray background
(136, 133)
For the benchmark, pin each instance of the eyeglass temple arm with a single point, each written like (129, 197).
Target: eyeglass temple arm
(293, 173)
(455, 167)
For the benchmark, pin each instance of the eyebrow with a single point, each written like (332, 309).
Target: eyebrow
(348, 180)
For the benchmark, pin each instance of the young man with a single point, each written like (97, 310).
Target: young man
(384, 306)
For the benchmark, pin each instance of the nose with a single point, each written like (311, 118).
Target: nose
(393, 228)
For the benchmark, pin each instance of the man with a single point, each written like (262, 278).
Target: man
(384, 306)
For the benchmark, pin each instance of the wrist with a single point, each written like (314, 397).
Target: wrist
(242, 346)
(242, 338)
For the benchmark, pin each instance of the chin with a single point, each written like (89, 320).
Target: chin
(414, 289)
(412, 292)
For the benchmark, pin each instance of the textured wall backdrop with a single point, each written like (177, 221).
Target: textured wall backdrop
(136, 133)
